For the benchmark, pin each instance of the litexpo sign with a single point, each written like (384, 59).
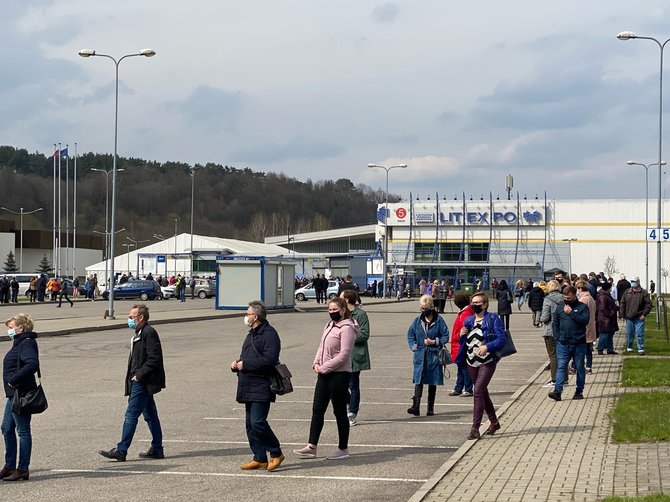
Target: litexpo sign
(474, 214)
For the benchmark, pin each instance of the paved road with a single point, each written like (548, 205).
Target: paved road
(393, 454)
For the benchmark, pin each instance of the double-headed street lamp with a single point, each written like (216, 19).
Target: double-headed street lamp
(106, 173)
(569, 241)
(85, 53)
(646, 214)
(386, 215)
(21, 212)
(137, 247)
(630, 35)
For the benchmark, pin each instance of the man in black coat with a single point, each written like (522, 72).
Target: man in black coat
(258, 358)
(144, 378)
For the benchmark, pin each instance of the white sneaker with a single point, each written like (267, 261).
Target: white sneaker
(629, 349)
(352, 419)
(338, 455)
(549, 385)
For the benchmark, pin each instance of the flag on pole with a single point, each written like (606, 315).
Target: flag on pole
(56, 153)
(63, 152)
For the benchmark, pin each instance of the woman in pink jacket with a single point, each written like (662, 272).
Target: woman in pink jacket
(332, 364)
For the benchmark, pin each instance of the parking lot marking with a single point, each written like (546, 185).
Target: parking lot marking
(404, 421)
(238, 475)
(463, 402)
(207, 441)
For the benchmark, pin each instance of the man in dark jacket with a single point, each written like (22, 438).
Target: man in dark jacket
(535, 302)
(634, 306)
(569, 328)
(348, 283)
(144, 378)
(621, 286)
(258, 358)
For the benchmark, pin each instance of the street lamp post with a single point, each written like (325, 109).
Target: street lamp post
(21, 212)
(129, 246)
(175, 245)
(85, 53)
(386, 214)
(646, 214)
(137, 246)
(570, 241)
(628, 35)
(192, 205)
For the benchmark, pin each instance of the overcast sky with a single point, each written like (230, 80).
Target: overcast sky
(463, 92)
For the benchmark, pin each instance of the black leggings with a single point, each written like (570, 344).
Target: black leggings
(331, 387)
(505, 319)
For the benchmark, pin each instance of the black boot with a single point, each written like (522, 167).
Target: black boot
(416, 401)
(432, 389)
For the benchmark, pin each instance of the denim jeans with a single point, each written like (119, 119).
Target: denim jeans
(481, 376)
(606, 342)
(563, 355)
(11, 425)
(15, 296)
(463, 380)
(355, 392)
(140, 402)
(260, 435)
(182, 294)
(537, 314)
(331, 387)
(589, 355)
(635, 328)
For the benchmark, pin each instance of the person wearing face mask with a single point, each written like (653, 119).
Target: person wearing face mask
(425, 336)
(481, 335)
(145, 377)
(360, 357)
(258, 357)
(634, 306)
(18, 375)
(332, 365)
(568, 326)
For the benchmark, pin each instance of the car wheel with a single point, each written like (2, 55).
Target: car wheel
(300, 297)
(332, 295)
(144, 297)
(202, 295)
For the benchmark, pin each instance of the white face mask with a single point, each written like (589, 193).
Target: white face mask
(11, 333)
(246, 321)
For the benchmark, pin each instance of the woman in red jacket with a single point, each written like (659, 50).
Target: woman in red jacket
(463, 380)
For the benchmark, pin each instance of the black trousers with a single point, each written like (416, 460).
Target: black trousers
(331, 387)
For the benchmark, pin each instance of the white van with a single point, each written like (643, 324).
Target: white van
(24, 281)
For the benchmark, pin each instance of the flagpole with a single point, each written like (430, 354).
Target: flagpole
(53, 230)
(67, 211)
(74, 218)
(60, 246)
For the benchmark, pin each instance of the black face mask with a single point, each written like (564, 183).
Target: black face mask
(335, 316)
(427, 313)
(477, 309)
(560, 281)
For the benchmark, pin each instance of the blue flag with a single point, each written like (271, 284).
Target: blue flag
(382, 214)
(63, 152)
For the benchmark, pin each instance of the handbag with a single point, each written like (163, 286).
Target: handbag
(508, 349)
(444, 356)
(280, 380)
(34, 401)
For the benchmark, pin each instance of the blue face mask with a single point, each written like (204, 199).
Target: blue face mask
(11, 333)
(131, 323)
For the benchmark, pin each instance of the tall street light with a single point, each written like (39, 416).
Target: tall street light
(629, 35)
(106, 173)
(21, 212)
(85, 53)
(193, 169)
(646, 214)
(137, 247)
(130, 247)
(176, 219)
(569, 241)
(386, 215)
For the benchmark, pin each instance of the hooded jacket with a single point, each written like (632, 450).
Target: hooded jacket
(24, 356)
(586, 298)
(551, 301)
(427, 368)
(336, 346)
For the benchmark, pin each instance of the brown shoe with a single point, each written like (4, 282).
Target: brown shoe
(474, 434)
(275, 462)
(17, 475)
(6, 471)
(254, 464)
(492, 429)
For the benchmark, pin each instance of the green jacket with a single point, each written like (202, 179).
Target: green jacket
(360, 357)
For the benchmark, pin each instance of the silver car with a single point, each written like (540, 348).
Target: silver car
(308, 292)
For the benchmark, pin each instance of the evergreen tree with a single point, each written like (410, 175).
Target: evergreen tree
(10, 263)
(45, 266)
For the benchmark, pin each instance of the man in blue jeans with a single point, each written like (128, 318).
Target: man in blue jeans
(144, 378)
(634, 306)
(569, 328)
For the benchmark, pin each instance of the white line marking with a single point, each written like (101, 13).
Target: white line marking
(241, 475)
(403, 422)
(198, 441)
(464, 401)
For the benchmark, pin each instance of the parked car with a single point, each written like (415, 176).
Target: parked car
(308, 292)
(23, 280)
(144, 290)
(69, 288)
(204, 288)
(168, 292)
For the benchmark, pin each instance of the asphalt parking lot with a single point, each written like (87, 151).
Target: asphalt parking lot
(393, 454)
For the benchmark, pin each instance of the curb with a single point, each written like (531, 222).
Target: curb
(441, 472)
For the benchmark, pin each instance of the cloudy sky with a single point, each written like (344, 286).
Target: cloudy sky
(463, 92)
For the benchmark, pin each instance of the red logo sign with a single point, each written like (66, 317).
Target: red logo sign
(401, 212)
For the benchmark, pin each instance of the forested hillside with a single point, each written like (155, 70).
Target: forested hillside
(229, 202)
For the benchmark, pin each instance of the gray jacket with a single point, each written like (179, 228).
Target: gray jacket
(551, 301)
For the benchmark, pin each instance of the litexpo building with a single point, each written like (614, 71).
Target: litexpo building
(510, 239)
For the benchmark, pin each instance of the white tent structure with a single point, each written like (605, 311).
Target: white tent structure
(173, 256)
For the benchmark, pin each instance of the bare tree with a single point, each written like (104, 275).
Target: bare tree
(610, 266)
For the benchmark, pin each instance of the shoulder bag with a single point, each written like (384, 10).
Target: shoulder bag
(280, 378)
(34, 401)
(508, 349)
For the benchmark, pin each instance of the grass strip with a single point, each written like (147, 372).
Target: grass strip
(645, 372)
(641, 418)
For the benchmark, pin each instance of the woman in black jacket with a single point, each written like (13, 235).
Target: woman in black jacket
(505, 299)
(259, 356)
(18, 375)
